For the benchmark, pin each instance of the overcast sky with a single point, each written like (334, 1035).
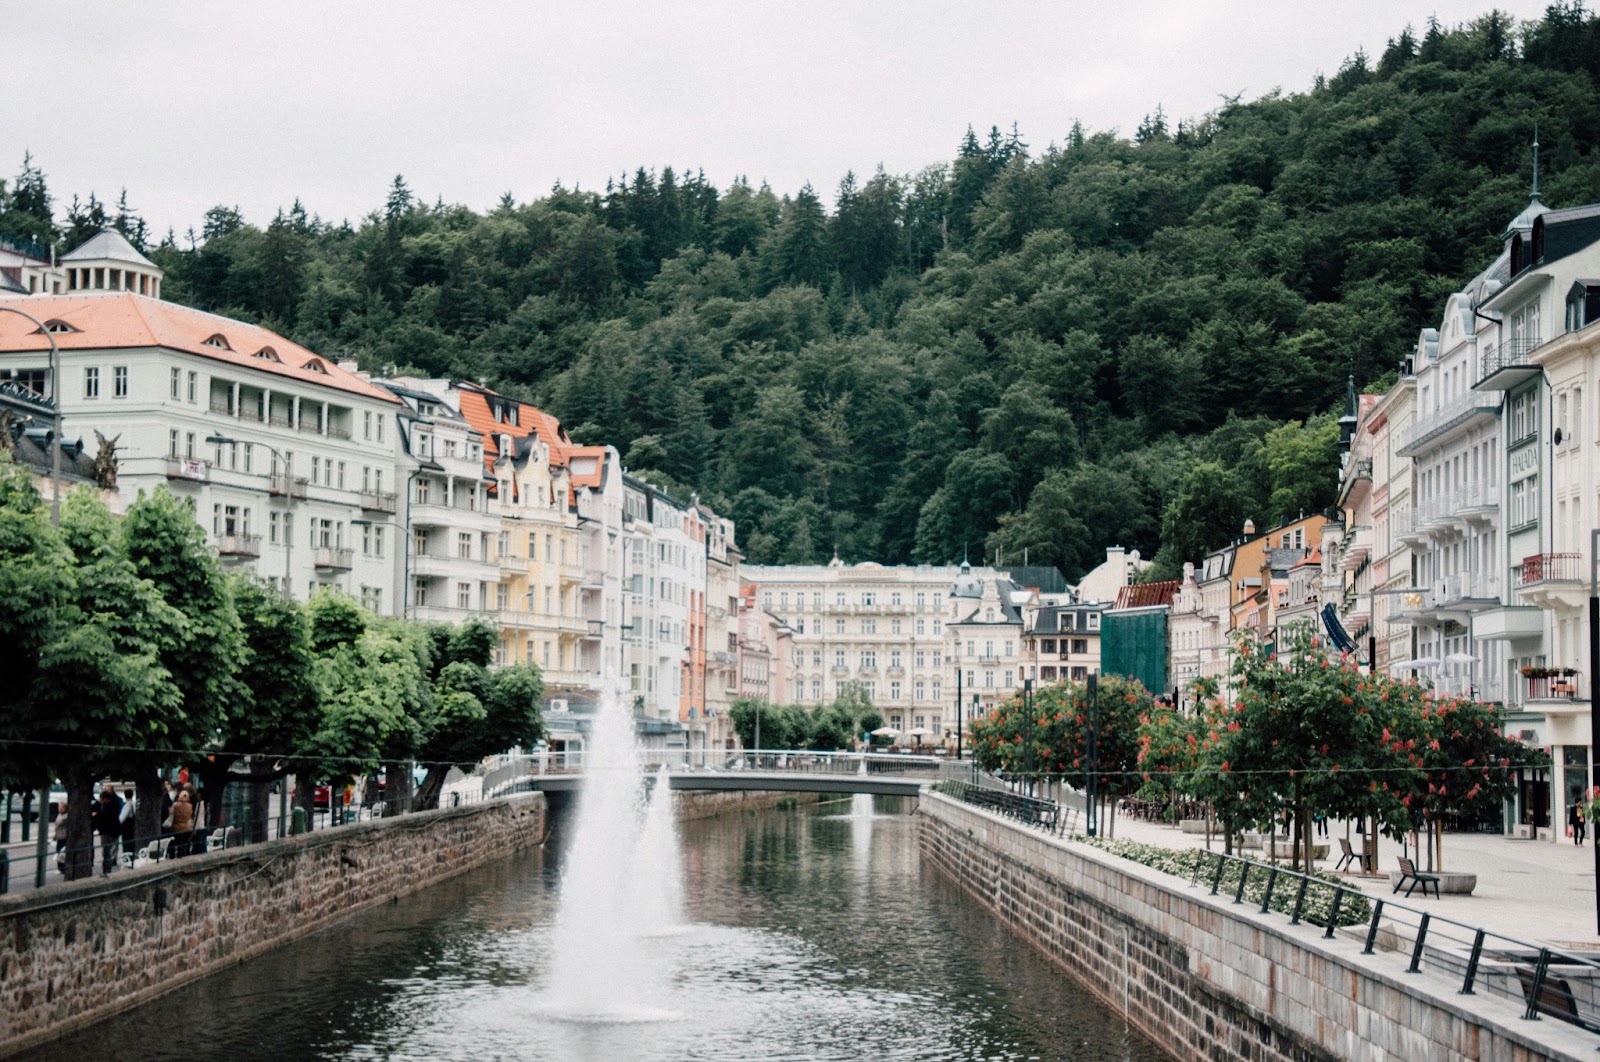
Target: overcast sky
(190, 104)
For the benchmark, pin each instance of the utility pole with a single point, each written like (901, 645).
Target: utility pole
(1092, 789)
(958, 704)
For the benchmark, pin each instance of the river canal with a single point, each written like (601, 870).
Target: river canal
(813, 935)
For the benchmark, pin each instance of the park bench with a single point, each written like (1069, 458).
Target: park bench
(1408, 872)
(1555, 998)
(1028, 809)
(1349, 856)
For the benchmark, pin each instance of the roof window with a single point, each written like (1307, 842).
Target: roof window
(315, 365)
(267, 354)
(219, 341)
(55, 326)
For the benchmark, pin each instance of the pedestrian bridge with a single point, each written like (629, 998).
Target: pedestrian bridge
(877, 774)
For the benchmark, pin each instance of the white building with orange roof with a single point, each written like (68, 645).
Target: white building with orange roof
(269, 441)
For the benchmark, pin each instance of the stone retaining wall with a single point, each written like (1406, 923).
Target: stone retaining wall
(708, 803)
(76, 953)
(1206, 979)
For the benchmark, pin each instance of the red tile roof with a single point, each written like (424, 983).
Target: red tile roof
(123, 319)
(1147, 595)
(531, 420)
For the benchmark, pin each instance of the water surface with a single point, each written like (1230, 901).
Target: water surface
(813, 935)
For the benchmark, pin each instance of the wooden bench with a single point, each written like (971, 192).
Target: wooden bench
(1555, 998)
(1350, 856)
(1408, 872)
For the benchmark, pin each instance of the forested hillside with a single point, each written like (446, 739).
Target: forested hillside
(1048, 347)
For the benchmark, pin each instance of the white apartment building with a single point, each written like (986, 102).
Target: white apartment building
(450, 560)
(986, 640)
(268, 440)
(723, 674)
(662, 566)
(884, 627)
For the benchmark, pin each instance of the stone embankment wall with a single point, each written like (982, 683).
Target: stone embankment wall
(1206, 979)
(709, 803)
(77, 953)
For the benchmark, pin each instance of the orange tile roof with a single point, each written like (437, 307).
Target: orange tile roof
(531, 420)
(123, 319)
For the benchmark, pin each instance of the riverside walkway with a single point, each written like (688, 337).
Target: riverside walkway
(1536, 890)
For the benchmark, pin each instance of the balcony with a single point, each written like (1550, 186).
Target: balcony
(1467, 591)
(1435, 426)
(1552, 580)
(283, 485)
(1403, 526)
(378, 501)
(242, 546)
(1557, 684)
(188, 468)
(1508, 364)
(1475, 503)
(722, 657)
(334, 558)
(1357, 548)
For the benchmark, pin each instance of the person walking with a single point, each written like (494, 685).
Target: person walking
(130, 832)
(107, 819)
(1579, 826)
(182, 824)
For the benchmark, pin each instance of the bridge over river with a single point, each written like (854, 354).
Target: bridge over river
(878, 774)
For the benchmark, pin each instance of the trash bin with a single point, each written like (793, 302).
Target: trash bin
(299, 824)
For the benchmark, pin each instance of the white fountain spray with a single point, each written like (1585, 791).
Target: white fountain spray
(861, 803)
(658, 876)
(599, 969)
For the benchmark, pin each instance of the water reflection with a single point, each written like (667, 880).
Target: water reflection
(805, 942)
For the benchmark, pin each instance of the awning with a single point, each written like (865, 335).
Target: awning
(1336, 631)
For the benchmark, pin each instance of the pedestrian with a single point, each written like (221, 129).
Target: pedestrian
(1322, 824)
(130, 824)
(107, 820)
(182, 824)
(60, 814)
(1575, 824)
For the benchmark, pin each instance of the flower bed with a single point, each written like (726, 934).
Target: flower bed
(1353, 910)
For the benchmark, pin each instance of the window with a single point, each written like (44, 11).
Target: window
(1007, 679)
(936, 628)
(816, 602)
(838, 599)
(894, 658)
(816, 654)
(869, 626)
(936, 658)
(869, 658)
(1009, 646)
(172, 442)
(894, 626)
(1047, 674)
(176, 382)
(249, 457)
(372, 598)
(894, 600)
(340, 481)
(464, 600)
(464, 545)
(921, 629)
(1047, 645)
(816, 690)
(838, 626)
(316, 470)
(838, 658)
(1080, 645)
(91, 383)
(922, 658)
(867, 598)
(988, 679)
(119, 381)
(188, 445)
(922, 602)
(194, 386)
(894, 691)
(366, 425)
(934, 691)
(918, 690)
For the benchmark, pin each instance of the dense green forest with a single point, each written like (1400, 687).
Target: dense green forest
(1105, 340)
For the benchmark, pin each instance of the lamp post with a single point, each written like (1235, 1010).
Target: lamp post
(959, 702)
(1091, 788)
(42, 848)
(218, 439)
(1027, 742)
(1594, 669)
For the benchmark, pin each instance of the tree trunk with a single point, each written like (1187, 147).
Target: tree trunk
(214, 779)
(397, 789)
(305, 796)
(147, 816)
(80, 849)
(1307, 832)
(259, 828)
(428, 794)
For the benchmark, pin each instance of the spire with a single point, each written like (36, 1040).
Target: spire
(1534, 197)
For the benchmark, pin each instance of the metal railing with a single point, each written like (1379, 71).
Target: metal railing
(1508, 354)
(1552, 568)
(1545, 981)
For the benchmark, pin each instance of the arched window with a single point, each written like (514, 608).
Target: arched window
(315, 365)
(219, 341)
(55, 326)
(267, 354)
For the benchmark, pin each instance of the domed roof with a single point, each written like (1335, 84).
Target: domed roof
(1523, 222)
(966, 584)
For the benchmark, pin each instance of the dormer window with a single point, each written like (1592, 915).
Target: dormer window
(1537, 254)
(1583, 304)
(267, 354)
(315, 365)
(219, 341)
(55, 326)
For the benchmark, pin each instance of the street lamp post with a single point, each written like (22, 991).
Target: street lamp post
(1027, 742)
(959, 703)
(42, 848)
(1092, 788)
(1594, 669)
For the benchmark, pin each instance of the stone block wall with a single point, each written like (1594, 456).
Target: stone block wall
(1206, 979)
(73, 954)
(708, 803)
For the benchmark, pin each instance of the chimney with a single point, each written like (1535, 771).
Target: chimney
(1249, 528)
(348, 364)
